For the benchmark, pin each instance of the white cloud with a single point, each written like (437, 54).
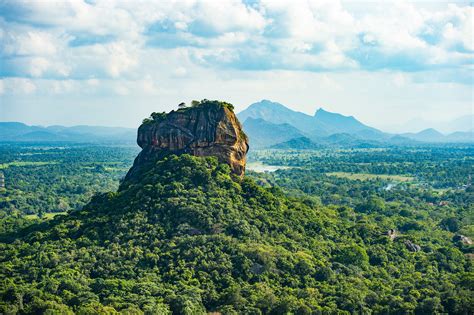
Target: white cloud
(31, 42)
(462, 34)
(38, 66)
(119, 59)
(149, 86)
(109, 39)
(103, 17)
(17, 86)
(226, 16)
(24, 85)
(302, 52)
(62, 87)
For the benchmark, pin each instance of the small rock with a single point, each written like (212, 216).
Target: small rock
(412, 247)
(463, 239)
(392, 234)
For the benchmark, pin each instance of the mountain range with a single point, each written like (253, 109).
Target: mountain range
(268, 125)
(463, 123)
(16, 131)
(271, 124)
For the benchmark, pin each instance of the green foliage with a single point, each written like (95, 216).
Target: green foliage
(215, 104)
(352, 255)
(190, 238)
(155, 117)
(147, 121)
(450, 224)
(373, 204)
(158, 116)
(45, 178)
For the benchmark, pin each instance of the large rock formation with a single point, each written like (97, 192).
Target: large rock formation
(209, 128)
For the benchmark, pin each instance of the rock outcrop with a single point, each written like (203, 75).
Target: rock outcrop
(462, 239)
(208, 128)
(412, 247)
(392, 234)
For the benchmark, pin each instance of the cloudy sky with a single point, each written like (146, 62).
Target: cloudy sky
(113, 62)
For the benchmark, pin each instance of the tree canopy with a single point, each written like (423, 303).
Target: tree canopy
(191, 238)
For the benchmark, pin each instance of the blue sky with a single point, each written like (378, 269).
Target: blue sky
(113, 62)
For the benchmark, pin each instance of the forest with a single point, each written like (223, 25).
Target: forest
(334, 231)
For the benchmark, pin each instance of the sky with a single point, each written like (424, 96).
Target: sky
(112, 63)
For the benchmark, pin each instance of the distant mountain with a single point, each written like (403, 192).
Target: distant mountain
(400, 140)
(15, 131)
(302, 143)
(323, 123)
(271, 124)
(265, 134)
(461, 136)
(94, 130)
(463, 123)
(336, 123)
(338, 140)
(40, 135)
(277, 113)
(432, 135)
(348, 140)
(427, 135)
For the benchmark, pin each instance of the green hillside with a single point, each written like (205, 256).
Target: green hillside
(191, 238)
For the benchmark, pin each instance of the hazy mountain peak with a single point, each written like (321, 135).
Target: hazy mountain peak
(277, 113)
(267, 104)
(323, 123)
(17, 131)
(338, 123)
(430, 132)
(321, 112)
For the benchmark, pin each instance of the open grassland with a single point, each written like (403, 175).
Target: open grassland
(26, 163)
(46, 216)
(366, 176)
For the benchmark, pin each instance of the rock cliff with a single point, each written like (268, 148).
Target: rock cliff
(208, 128)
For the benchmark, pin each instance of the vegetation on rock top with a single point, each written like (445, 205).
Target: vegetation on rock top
(205, 103)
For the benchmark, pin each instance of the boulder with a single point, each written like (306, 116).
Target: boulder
(463, 239)
(412, 247)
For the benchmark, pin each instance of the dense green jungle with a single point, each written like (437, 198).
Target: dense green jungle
(329, 231)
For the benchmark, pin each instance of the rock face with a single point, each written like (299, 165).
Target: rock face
(209, 128)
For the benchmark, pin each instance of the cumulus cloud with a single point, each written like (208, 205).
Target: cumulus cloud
(130, 40)
(18, 42)
(410, 38)
(17, 86)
